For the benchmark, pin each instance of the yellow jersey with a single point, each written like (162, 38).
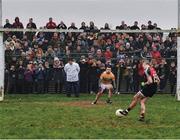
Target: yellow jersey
(107, 78)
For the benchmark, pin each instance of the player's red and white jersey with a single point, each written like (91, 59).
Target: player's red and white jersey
(150, 71)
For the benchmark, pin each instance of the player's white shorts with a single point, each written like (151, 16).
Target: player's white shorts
(105, 86)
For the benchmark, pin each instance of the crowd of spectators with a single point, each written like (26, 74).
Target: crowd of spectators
(35, 60)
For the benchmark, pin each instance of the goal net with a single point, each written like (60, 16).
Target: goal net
(121, 49)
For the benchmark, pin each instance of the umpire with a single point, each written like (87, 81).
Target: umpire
(72, 70)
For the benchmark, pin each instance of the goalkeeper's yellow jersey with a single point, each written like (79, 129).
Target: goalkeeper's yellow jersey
(107, 78)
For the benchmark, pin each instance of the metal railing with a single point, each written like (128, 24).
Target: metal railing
(80, 31)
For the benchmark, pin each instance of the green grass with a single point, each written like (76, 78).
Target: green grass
(56, 116)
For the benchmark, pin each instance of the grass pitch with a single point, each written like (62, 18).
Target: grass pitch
(57, 116)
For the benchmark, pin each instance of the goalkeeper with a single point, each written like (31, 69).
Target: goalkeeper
(105, 82)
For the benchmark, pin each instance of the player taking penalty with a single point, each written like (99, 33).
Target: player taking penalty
(105, 82)
(149, 88)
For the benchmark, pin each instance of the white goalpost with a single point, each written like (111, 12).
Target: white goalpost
(178, 56)
(1, 58)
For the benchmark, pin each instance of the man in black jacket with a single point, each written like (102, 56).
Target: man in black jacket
(47, 76)
(12, 80)
(83, 75)
(7, 34)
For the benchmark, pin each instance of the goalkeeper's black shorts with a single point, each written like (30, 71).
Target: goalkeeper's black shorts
(149, 90)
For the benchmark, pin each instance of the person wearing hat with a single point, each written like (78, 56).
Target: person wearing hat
(58, 75)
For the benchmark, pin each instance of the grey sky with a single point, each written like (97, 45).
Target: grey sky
(163, 12)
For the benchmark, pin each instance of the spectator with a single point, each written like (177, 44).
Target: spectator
(20, 78)
(62, 25)
(106, 27)
(6, 79)
(172, 77)
(140, 72)
(150, 26)
(7, 25)
(83, 26)
(172, 34)
(8, 54)
(156, 27)
(143, 27)
(19, 25)
(72, 70)
(50, 25)
(38, 57)
(128, 76)
(31, 25)
(135, 26)
(92, 27)
(40, 74)
(99, 56)
(42, 40)
(136, 81)
(173, 52)
(55, 40)
(163, 74)
(108, 54)
(49, 55)
(128, 50)
(83, 75)
(77, 52)
(109, 43)
(12, 80)
(72, 26)
(58, 75)
(101, 68)
(28, 76)
(145, 54)
(47, 76)
(120, 70)
(7, 34)
(122, 26)
(35, 68)
(156, 54)
(92, 77)
(167, 42)
(57, 52)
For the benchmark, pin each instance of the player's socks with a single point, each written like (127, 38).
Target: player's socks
(142, 117)
(94, 102)
(128, 109)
